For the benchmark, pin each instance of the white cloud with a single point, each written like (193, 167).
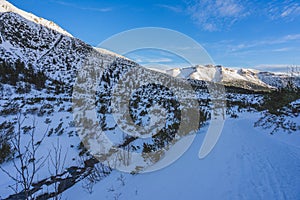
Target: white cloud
(209, 27)
(163, 67)
(153, 60)
(231, 47)
(106, 9)
(229, 8)
(214, 15)
(149, 59)
(283, 68)
(292, 37)
(284, 49)
(176, 9)
(278, 9)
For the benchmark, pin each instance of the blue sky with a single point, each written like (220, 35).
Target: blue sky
(236, 33)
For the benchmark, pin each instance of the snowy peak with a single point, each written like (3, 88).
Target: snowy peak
(5, 6)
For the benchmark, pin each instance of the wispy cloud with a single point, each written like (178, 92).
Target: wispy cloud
(106, 9)
(283, 68)
(176, 9)
(233, 47)
(284, 49)
(278, 9)
(210, 15)
(216, 14)
(291, 37)
(153, 60)
(157, 59)
(160, 66)
(150, 58)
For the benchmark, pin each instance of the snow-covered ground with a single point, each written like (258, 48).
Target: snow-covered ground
(246, 163)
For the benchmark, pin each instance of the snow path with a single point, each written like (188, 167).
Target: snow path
(43, 54)
(247, 163)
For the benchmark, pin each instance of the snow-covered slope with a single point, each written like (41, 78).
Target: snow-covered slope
(247, 164)
(56, 54)
(5, 6)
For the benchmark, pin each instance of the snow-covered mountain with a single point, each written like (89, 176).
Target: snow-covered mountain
(39, 64)
(245, 78)
(55, 51)
(44, 45)
(49, 48)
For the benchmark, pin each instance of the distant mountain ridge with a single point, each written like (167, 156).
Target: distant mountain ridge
(245, 78)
